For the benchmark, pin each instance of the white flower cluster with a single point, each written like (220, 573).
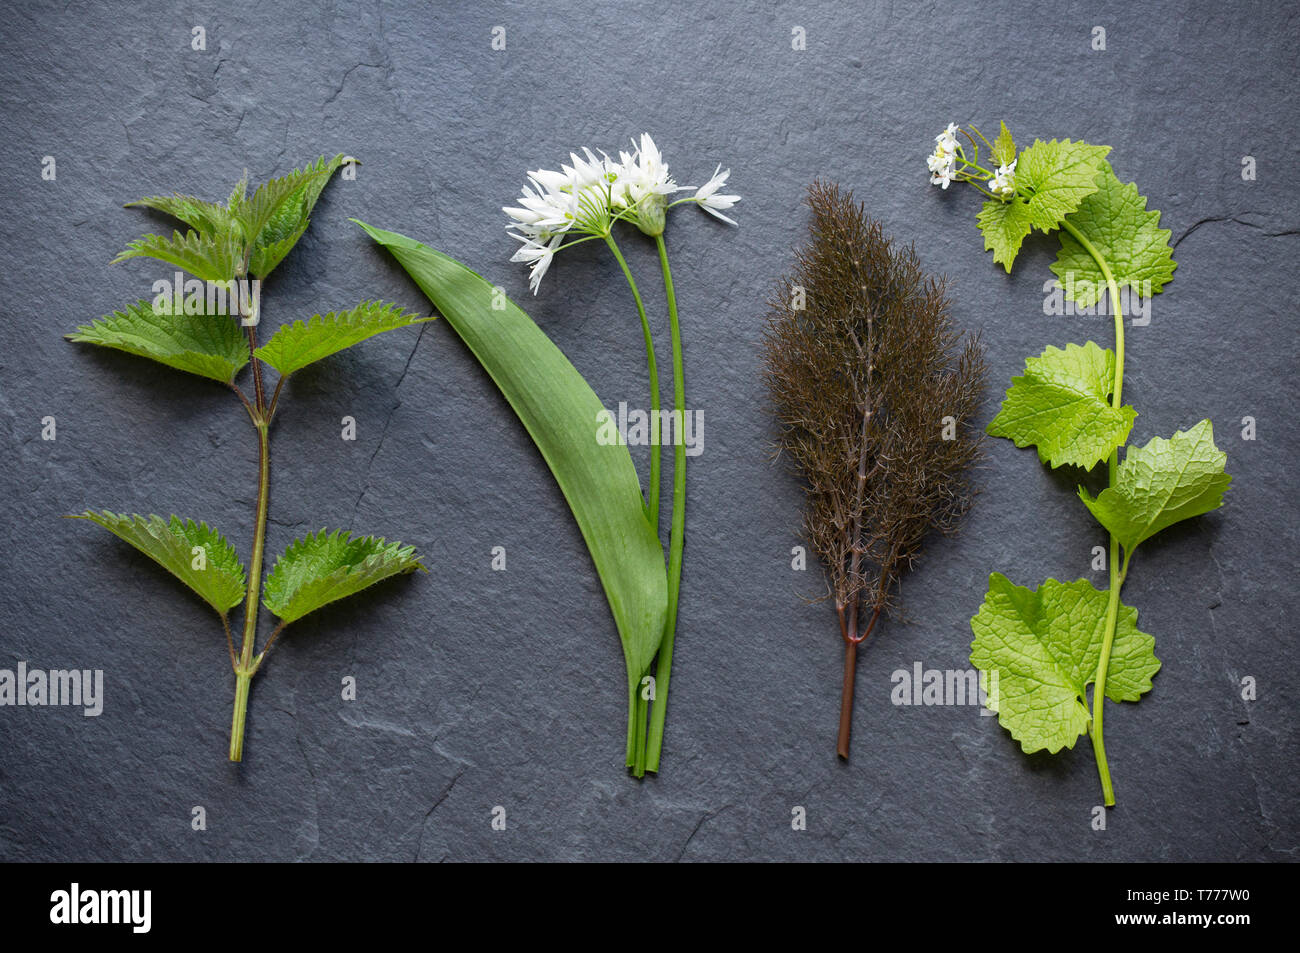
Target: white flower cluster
(592, 192)
(1003, 183)
(943, 161)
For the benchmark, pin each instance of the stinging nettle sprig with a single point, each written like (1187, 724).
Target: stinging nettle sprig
(1048, 645)
(207, 325)
(874, 388)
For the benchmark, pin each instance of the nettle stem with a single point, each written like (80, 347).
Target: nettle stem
(247, 665)
(1117, 572)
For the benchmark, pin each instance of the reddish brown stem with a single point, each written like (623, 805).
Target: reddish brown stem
(850, 676)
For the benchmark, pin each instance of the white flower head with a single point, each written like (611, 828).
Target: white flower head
(640, 174)
(708, 198)
(942, 163)
(1003, 183)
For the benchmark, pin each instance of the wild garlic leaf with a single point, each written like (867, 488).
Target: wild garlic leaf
(208, 345)
(558, 408)
(1044, 647)
(1060, 406)
(1116, 221)
(296, 345)
(171, 544)
(1161, 484)
(207, 218)
(1004, 148)
(317, 570)
(295, 196)
(207, 257)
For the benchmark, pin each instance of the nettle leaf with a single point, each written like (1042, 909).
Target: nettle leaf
(296, 345)
(1060, 406)
(208, 345)
(559, 409)
(1161, 484)
(207, 257)
(1044, 647)
(1004, 147)
(204, 217)
(171, 544)
(280, 212)
(317, 570)
(1116, 221)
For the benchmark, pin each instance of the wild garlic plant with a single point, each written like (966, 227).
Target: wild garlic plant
(208, 325)
(583, 201)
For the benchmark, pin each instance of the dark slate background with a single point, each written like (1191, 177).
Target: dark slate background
(480, 688)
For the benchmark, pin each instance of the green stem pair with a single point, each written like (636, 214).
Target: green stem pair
(646, 723)
(1118, 570)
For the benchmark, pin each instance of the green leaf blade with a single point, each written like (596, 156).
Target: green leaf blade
(171, 544)
(1116, 221)
(278, 212)
(1160, 484)
(559, 410)
(1044, 646)
(294, 346)
(1004, 147)
(317, 570)
(207, 257)
(1060, 406)
(1056, 176)
(207, 218)
(1004, 226)
(210, 345)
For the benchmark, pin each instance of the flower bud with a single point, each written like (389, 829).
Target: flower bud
(651, 213)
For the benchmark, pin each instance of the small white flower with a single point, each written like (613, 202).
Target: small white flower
(538, 255)
(1003, 182)
(707, 197)
(639, 174)
(947, 139)
(942, 178)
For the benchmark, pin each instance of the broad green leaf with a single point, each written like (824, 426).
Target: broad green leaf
(1004, 148)
(1056, 176)
(1161, 484)
(559, 410)
(171, 544)
(1116, 222)
(1004, 226)
(207, 218)
(208, 345)
(1060, 406)
(317, 570)
(208, 257)
(296, 345)
(1044, 647)
(280, 211)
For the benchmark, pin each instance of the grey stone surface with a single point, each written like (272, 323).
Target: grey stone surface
(479, 688)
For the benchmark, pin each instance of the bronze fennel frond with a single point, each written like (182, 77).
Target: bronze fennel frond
(875, 390)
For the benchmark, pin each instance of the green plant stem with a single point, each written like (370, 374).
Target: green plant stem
(652, 494)
(1117, 572)
(638, 707)
(244, 670)
(677, 535)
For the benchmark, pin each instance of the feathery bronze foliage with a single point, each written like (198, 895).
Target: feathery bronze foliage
(875, 391)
